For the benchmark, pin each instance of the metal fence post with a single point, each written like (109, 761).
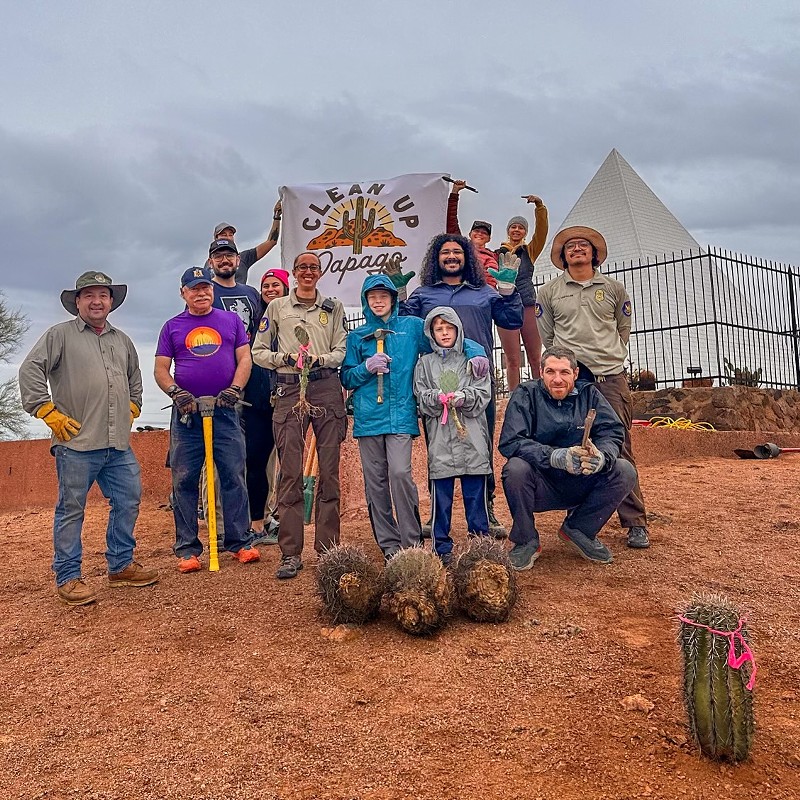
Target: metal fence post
(793, 307)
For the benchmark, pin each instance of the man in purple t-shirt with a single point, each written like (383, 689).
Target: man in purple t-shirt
(210, 351)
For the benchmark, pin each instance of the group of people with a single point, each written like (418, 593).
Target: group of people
(281, 362)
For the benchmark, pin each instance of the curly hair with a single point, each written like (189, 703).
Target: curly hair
(430, 272)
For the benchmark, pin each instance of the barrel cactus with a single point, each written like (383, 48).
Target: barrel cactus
(349, 584)
(419, 590)
(485, 583)
(717, 691)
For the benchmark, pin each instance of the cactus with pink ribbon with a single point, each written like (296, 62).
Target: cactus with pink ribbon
(719, 673)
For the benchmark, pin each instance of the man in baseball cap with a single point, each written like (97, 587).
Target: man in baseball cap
(249, 257)
(82, 379)
(590, 313)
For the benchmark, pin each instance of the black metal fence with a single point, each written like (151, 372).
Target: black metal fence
(711, 316)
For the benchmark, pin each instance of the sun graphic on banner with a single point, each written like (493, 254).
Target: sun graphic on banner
(203, 341)
(357, 224)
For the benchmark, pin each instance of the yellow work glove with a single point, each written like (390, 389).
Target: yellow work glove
(135, 411)
(63, 427)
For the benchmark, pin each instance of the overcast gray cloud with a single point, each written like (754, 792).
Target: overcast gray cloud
(131, 132)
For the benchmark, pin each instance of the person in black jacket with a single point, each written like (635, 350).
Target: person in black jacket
(547, 467)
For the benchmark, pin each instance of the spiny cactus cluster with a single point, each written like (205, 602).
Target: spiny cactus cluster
(485, 582)
(717, 700)
(349, 585)
(419, 590)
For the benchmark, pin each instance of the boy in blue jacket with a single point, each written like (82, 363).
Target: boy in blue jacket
(385, 430)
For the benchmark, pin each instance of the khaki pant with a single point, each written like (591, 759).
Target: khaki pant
(616, 391)
(330, 427)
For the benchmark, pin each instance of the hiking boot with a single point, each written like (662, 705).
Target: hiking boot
(133, 575)
(446, 558)
(247, 554)
(523, 556)
(638, 538)
(189, 564)
(264, 537)
(427, 529)
(590, 549)
(75, 593)
(289, 567)
(495, 528)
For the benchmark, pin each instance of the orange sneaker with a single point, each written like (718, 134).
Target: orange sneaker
(190, 564)
(246, 555)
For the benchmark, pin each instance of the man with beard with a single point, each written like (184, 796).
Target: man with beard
(590, 313)
(451, 276)
(242, 299)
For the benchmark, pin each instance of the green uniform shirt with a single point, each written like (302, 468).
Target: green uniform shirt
(326, 333)
(593, 320)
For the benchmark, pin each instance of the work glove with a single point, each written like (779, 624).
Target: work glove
(378, 364)
(568, 459)
(184, 401)
(399, 280)
(506, 276)
(135, 411)
(63, 427)
(480, 366)
(228, 398)
(593, 461)
(458, 399)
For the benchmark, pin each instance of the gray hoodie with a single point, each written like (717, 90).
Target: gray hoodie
(449, 454)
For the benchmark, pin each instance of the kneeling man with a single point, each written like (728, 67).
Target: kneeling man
(547, 467)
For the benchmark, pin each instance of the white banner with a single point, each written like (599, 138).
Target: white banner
(355, 227)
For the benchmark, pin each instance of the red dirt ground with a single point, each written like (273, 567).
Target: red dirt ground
(221, 686)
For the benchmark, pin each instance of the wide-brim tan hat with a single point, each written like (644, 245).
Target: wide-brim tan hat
(577, 232)
(93, 278)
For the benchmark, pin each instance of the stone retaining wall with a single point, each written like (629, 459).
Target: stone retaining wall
(727, 408)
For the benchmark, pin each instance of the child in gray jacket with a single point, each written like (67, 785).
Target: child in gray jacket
(453, 403)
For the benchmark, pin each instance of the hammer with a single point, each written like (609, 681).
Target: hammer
(379, 334)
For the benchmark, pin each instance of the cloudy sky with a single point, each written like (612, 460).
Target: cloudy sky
(127, 133)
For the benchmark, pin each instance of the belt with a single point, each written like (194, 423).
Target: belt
(601, 378)
(315, 375)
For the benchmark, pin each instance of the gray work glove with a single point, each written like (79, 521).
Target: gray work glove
(593, 461)
(568, 459)
(228, 398)
(185, 402)
(480, 366)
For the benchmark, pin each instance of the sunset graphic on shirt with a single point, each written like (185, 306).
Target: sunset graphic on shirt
(203, 341)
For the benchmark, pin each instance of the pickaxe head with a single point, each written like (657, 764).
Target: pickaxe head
(379, 334)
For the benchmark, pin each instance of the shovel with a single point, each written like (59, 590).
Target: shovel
(205, 405)
(768, 450)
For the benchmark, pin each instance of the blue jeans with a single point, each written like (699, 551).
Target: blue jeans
(118, 475)
(186, 456)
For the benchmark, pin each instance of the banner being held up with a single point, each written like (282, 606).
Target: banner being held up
(355, 228)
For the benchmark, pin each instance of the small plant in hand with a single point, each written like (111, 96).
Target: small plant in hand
(304, 361)
(448, 384)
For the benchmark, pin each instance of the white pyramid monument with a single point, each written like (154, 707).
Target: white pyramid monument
(635, 223)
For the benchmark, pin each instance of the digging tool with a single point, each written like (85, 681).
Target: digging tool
(379, 334)
(770, 450)
(450, 180)
(309, 478)
(205, 405)
(587, 427)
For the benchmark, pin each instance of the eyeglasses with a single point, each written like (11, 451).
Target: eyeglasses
(454, 252)
(578, 243)
(307, 268)
(223, 257)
